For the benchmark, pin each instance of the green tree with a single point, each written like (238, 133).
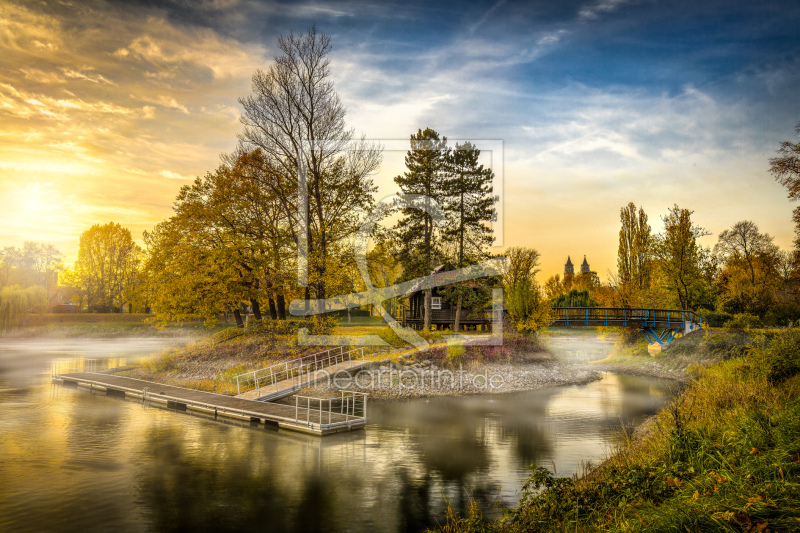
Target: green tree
(680, 257)
(426, 171)
(469, 209)
(634, 256)
(524, 300)
(575, 298)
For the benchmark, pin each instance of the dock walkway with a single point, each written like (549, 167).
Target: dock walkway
(308, 415)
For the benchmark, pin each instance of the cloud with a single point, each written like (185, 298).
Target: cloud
(174, 175)
(481, 21)
(22, 28)
(593, 11)
(165, 46)
(94, 78)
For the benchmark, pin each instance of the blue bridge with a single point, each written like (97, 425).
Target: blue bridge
(659, 326)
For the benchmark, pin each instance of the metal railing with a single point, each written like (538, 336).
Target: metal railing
(577, 316)
(349, 408)
(295, 372)
(349, 404)
(75, 364)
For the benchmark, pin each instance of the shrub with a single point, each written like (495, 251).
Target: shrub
(743, 322)
(783, 314)
(714, 319)
(781, 360)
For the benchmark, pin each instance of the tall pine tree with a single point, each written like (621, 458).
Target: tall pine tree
(469, 207)
(426, 172)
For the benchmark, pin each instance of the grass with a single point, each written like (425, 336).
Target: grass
(723, 456)
(108, 330)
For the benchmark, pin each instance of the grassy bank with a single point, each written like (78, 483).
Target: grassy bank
(104, 326)
(723, 456)
(701, 348)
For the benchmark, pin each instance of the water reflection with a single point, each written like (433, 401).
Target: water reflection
(71, 460)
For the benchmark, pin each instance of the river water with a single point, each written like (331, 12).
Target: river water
(75, 461)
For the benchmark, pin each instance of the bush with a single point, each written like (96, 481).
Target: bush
(781, 360)
(783, 314)
(714, 319)
(743, 322)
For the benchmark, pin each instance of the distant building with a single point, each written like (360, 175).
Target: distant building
(60, 299)
(569, 268)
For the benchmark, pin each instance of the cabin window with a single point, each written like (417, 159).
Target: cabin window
(436, 302)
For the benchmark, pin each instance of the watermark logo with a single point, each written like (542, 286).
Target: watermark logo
(376, 296)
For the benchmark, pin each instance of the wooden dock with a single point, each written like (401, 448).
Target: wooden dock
(308, 415)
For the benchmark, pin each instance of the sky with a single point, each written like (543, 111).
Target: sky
(108, 108)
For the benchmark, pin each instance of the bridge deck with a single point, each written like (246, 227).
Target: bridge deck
(636, 318)
(302, 417)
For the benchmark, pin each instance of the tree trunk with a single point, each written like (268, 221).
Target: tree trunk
(281, 307)
(256, 309)
(427, 323)
(457, 325)
(238, 316)
(273, 313)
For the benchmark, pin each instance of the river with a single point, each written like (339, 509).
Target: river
(75, 461)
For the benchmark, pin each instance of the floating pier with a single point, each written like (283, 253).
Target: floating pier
(316, 416)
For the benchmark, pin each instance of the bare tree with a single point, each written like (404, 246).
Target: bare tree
(786, 169)
(294, 125)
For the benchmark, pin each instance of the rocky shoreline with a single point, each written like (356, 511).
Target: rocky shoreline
(406, 378)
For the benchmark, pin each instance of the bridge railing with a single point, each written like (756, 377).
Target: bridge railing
(295, 371)
(616, 316)
(352, 406)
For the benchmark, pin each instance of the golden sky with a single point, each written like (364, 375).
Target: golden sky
(107, 109)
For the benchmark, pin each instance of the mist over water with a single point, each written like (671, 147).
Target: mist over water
(71, 460)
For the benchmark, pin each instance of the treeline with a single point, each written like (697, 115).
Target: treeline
(285, 206)
(25, 277)
(745, 275)
(280, 220)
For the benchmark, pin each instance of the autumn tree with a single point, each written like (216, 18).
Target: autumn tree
(523, 298)
(634, 256)
(105, 271)
(680, 257)
(302, 150)
(750, 275)
(786, 169)
(226, 243)
(420, 248)
(553, 287)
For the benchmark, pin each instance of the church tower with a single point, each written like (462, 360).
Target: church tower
(568, 268)
(584, 266)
